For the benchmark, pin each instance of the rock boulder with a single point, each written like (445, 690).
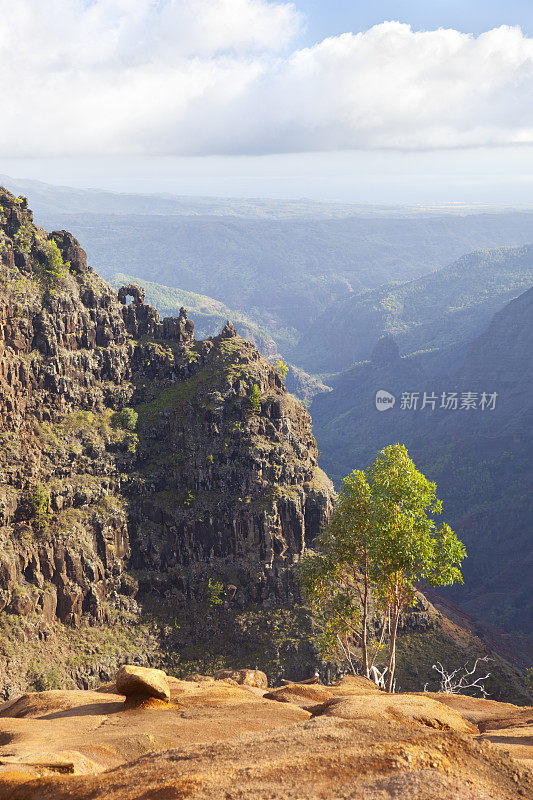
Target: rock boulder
(141, 682)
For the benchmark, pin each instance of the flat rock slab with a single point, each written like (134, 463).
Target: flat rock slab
(45, 732)
(505, 725)
(57, 703)
(400, 707)
(141, 682)
(300, 694)
(344, 759)
(478, 709)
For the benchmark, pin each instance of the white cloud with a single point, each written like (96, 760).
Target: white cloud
(218, 76)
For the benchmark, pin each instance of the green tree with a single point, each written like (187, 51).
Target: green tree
(337, 578)
(283, 367)
(382, 542)
(126, 418)
(410, 551)
(52, 269)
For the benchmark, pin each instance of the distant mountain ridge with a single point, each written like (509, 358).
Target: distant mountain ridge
(286, 271)
(448, 306)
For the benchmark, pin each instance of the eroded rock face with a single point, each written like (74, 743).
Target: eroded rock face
(215, 482)
(131, 290)
(224, 488)
(71, 250)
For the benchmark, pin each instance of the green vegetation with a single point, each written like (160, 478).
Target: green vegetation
(275, 640)
(43, 679)
(215, 592)
(131, 440)
(24, 237)
(126, 418)
(171, 397)
(254, 396)
(381, 540)
(412, 551)
(40, 504)
(51, 269)
(189, 499)
(94, 652)
(282, 367)
(82, 434)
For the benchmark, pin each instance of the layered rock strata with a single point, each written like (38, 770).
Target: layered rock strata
(219, 480)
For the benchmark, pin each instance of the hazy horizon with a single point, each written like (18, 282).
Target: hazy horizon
(444, 177)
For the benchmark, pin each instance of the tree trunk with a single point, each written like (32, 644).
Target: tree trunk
(364, 646)
(392, 653)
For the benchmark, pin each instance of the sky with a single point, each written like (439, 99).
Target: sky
(469, 16)
(417, 101)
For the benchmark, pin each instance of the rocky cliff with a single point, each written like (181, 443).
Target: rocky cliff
(212, 481)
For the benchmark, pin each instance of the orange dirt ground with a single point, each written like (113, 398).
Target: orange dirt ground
(223, 741)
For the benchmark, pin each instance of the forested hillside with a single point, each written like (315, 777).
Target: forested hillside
(448, 306)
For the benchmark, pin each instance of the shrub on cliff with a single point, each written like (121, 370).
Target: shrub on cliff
(254, 396)
(50, 269)
(40, 504)
(126, 419)
(282, 367)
